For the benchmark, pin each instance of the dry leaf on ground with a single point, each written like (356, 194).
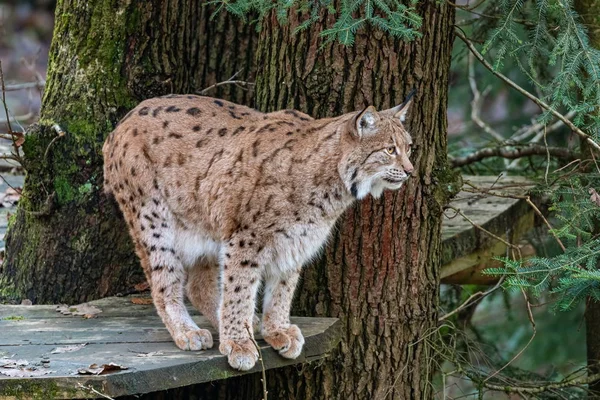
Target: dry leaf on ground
(85, 310)
(151, 354)
(141, 300)
(140, 287)
(24, 372)
(96, 369)
(68, 349)
(10, 363)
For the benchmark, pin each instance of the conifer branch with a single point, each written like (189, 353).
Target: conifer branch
(513, 152)
(524, 92)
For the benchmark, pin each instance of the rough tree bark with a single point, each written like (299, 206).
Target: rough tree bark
(379, 274)
(67, 242)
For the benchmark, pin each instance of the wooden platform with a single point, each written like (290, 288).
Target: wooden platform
(126, 334)
(467, 250)
(133, 336)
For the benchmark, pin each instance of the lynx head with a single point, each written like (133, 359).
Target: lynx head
(375, 151)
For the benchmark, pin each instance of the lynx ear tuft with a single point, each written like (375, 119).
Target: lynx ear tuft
(401, 110)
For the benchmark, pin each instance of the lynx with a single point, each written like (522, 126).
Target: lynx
(220, 198)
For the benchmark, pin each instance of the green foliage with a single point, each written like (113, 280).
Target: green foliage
(546, 41)
(572, 275)
(391, 16)
(557, 42)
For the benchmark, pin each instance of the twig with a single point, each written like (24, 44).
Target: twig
(476, 104)
(526, 131)
(532, 321)
(262, 364)
(3, 87)
(481, 228)
(230, 81)
(8, 118)
(91, 389)
(27, 85)
(524, 92)
(539, 389)
(16, 118)
(471, 300)
(512, 152)
(60, 132)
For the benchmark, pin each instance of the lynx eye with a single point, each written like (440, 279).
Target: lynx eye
(391, 150)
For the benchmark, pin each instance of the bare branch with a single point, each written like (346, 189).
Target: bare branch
(28, 85)
(472, 299)
(512, 153)
(230, 81)
(17, 118)
(524, 92)
(262, 364)
(242, 84)
(476, 104)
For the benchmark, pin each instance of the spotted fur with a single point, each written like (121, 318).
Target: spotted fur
(220, 197)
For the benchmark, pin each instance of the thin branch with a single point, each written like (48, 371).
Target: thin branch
(584, 380)
(230, 81)
(471, 300)
(532, 321)
(524, 92)
(27, 85)
(526, 131)
(512, 153)
(476, 104)
(17, 118)
(262, 364)
(91, 389)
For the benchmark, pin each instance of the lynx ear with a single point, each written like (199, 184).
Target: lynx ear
(401, 110)
(365, 122)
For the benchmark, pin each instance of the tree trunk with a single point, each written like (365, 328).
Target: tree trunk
(380, 272)
(67, 241)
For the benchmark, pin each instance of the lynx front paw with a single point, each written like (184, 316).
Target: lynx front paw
(198, 339)
(288, 342)
(241, 354)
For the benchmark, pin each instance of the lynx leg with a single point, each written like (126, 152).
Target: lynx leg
(239, 283)
(203, 288)
(276, 328)
(167, 278)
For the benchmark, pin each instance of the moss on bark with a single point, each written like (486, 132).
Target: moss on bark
(68, 242)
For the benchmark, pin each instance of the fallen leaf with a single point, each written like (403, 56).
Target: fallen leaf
(140, 287)
(595, 197)
(141, 300)
(151, 354)
(10, 363)
(85, 310)
(24, 372)
(96, 369)
(68, 349)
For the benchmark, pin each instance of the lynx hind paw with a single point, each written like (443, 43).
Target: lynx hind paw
(288, 342)
(198, 339)
(241, 354)
(256, 326)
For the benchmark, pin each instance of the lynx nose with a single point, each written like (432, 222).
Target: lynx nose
(408, 167)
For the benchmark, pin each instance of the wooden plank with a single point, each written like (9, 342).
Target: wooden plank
(466, 250)
(119, 334)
